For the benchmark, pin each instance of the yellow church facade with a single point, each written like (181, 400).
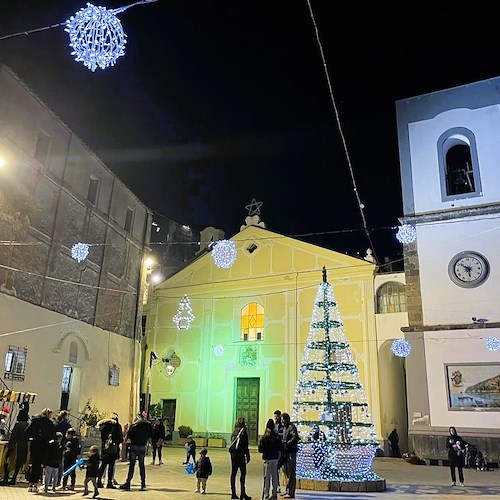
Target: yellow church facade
(240, 353)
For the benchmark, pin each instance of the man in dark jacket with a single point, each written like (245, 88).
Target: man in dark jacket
(290, 443)
(139, 434)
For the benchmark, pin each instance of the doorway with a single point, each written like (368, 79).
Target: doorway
(169, 417)
(247, 405)
(67, 376)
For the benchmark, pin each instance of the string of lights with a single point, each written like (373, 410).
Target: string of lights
(361, 206)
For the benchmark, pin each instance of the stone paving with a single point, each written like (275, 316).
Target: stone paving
(170, 481)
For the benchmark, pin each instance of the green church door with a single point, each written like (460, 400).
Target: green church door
(247, 405)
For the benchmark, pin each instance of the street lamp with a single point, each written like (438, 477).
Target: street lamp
(152, 357)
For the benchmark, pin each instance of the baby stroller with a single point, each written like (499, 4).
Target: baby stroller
(470, 456)
(480, 461)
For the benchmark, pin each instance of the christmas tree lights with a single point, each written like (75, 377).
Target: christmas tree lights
(338, 440)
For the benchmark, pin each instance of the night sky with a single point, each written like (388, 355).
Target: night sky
(218, 102)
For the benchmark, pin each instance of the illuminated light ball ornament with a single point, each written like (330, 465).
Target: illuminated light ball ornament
(493, 343)
(218, 350)
(401, 348)
(96, 37)
(184, 314)
(406, 233)
(224, 253)
(80, 251)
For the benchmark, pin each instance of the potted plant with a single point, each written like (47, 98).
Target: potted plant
(184, 432)
(216, 440)
(89, 417)
(155, 411)
(200, 439)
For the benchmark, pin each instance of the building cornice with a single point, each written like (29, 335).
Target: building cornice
(457, 326)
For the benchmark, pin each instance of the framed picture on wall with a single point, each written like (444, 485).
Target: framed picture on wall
(473, 386)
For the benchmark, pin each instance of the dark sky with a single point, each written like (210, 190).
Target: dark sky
(217, 102)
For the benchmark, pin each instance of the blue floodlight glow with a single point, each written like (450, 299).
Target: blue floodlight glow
(96, 36)
(401, 348)
(80, 251)
(406, 233)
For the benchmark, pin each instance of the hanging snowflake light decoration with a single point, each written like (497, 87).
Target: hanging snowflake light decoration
(80, 251)
(224, 253)
(218, 350)
(401, 348)
(406, 233)
(96, 36)
(184, 314)
(493, 343)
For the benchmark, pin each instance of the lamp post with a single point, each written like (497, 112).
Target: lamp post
(152, 357)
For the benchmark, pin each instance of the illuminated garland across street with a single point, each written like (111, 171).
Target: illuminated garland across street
(338, 440)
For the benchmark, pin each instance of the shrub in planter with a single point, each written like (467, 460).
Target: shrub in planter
(185, 431)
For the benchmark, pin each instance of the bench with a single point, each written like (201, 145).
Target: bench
(437, 461)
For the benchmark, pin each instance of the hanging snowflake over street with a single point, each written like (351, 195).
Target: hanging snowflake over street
(96, 36)
(401, 348)
(406, 233)
(224, 253)
(80, 251)
(493, 343)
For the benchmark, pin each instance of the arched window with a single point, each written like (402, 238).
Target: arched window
(391, 298)
(73, 353)
(252, 322)
(458, 165)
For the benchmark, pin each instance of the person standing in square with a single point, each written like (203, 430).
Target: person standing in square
(203, 469)
(92, 471)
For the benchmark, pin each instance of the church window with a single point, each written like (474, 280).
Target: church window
(458, 165)
(391, 298)
(252, 322)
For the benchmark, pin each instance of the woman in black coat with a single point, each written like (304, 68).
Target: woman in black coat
(456, 452)
(157, 439)
(39, 432)
(240, 456)
(111, 431)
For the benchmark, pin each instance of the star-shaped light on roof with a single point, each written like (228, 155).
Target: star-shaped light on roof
(254, 207)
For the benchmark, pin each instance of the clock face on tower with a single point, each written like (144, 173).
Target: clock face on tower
(469, 269)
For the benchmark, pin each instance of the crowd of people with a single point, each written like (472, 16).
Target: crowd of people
(55, 453)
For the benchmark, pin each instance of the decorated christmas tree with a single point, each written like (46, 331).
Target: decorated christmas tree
(338, 440)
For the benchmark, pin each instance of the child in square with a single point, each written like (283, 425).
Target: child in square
(72, 449)
(53, 462)
(92, 471)
(203, 469)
